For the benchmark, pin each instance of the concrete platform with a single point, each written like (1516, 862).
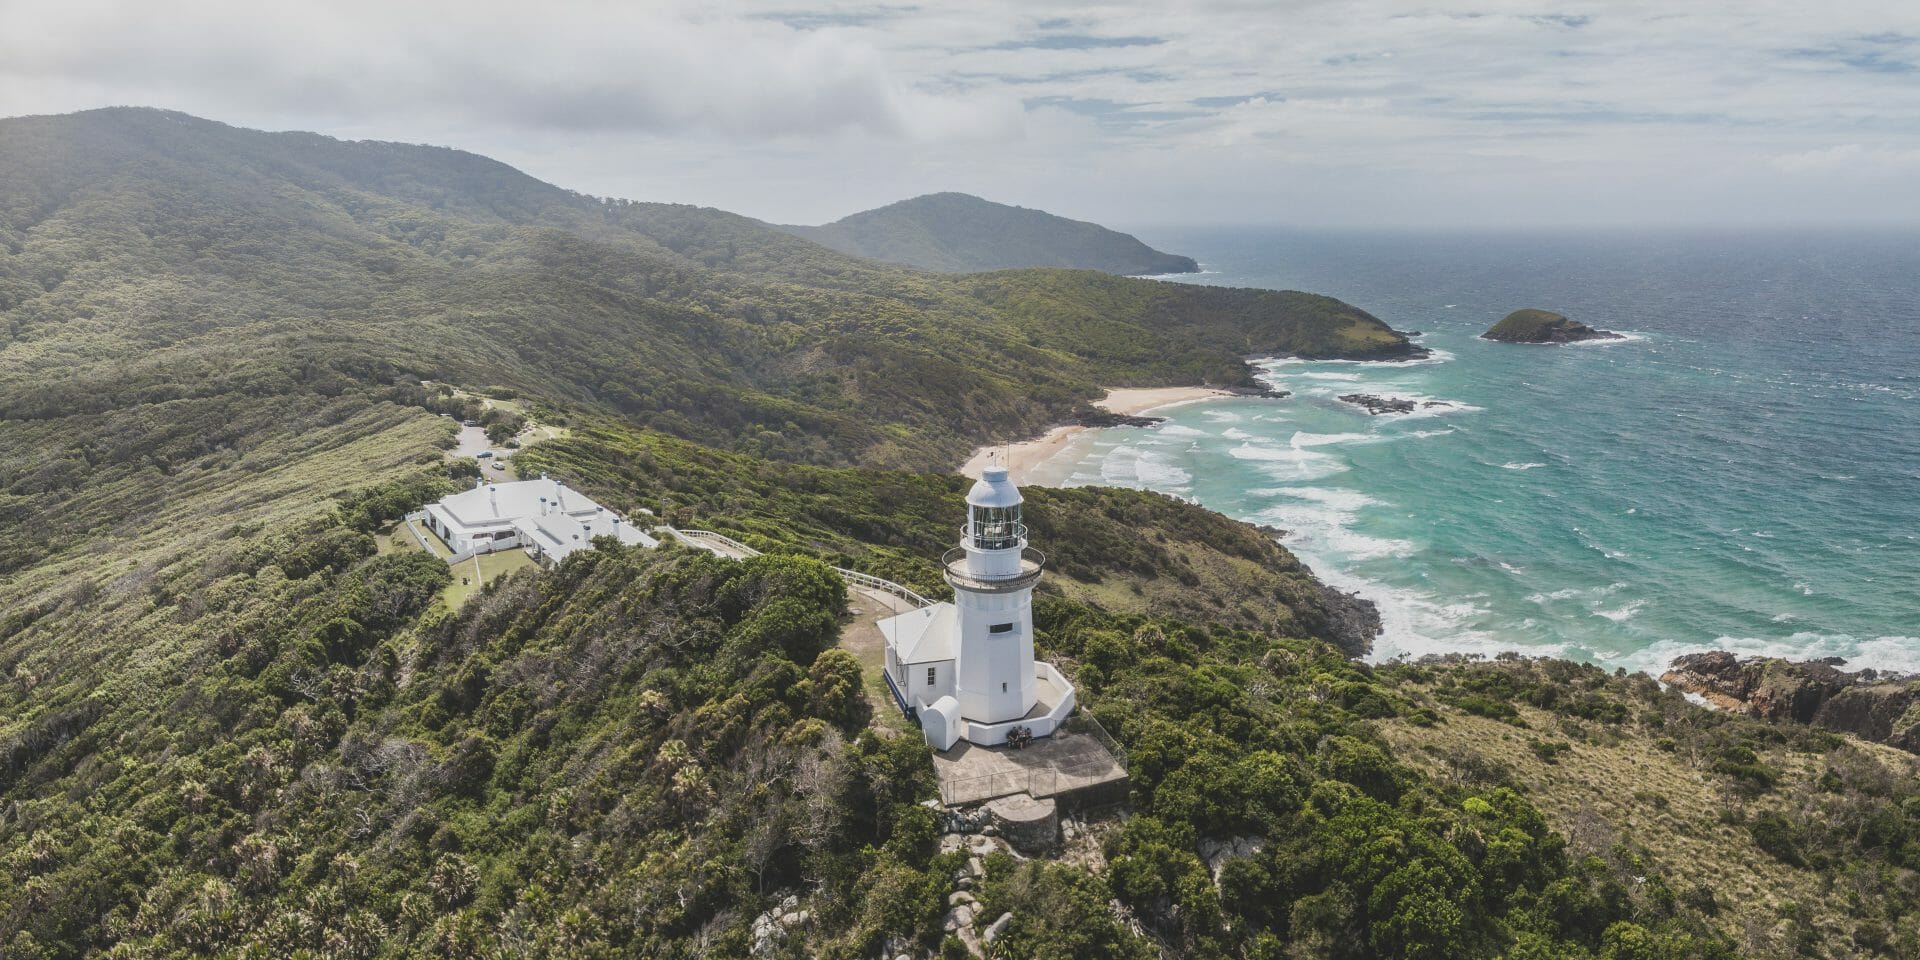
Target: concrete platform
(1031, 825)
(1072, 767)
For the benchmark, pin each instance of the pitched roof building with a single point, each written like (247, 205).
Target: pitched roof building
(544, 517)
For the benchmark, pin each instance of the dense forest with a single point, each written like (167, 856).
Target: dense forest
(957, 233)
(236, 722)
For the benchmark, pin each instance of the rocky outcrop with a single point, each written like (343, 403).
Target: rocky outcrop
(1870, 704)
(1543, 326)
(1400, 352)
(1351, 621)
(1261, 392)
(1102, 418)
(1379, 405)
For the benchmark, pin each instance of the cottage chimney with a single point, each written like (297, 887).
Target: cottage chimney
(543, 506)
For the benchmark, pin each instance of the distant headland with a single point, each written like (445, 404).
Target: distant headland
(960, 233)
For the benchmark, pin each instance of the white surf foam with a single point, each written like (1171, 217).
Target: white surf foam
(1622, 614)
(1322, 520)
(1626, 337)
(1521, 466)
(1156, 473)
(1136, 467)
(1303, 439)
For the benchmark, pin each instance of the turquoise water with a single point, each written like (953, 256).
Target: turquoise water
(1742, 473)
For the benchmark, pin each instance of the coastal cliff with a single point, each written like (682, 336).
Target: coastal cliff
(1870, 704)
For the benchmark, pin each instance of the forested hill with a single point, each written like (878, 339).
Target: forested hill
(153, 256)
(959, 233)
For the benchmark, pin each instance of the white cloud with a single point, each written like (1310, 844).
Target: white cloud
(1849, 158)
(1500, 110)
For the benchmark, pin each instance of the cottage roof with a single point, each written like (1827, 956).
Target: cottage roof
(494, 504)
(926, 635)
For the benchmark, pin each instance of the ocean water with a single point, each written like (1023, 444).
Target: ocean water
(1743, 472)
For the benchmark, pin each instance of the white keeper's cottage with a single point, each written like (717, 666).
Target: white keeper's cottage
(544, 517)
(965, 668)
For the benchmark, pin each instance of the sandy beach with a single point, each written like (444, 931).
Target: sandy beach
(1022, 457)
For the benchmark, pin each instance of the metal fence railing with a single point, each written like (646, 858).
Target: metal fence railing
(872, 582)
(707, 538)
(1082, 721)
(695, 538)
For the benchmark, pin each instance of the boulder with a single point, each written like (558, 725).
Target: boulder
(959, 918)
(997, 927)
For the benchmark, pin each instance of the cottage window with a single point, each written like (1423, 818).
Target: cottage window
(930, 671)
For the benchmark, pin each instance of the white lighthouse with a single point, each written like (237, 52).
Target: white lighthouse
(966, 668)
(993, 575)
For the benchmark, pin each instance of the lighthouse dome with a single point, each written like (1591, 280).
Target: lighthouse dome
(994, 489)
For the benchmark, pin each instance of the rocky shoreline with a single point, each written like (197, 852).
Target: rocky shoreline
(1352, 621)
(1875, 705)
(1378, 405)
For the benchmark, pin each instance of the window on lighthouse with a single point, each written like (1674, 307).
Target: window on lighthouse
(1000, 628)
(997, 528)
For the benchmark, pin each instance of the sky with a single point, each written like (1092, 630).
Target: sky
(1293, 112)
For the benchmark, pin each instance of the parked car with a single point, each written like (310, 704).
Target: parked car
(482, 455)
(499, 466)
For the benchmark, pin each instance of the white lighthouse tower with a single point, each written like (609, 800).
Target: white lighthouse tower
(993, 574)
(965, 669)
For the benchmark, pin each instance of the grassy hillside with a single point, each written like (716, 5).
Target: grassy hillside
(957, 233)
(1790, 841)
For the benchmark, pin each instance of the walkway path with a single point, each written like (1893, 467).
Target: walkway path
(861, 637)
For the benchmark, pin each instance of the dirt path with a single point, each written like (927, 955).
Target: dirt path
(861, 637)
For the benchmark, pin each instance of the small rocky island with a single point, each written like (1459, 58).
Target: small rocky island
(1379, 405)
(1544, 326)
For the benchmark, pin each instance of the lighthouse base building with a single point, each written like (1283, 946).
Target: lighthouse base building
(965, 669)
